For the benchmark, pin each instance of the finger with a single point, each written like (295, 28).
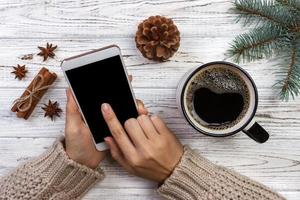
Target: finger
(117, 130)
(130, 77)
(142, 110)
(147, 126)
(73, 116)
(116, 152)
(135, 132)
(159, 125)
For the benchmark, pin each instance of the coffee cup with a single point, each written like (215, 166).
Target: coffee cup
(220, 99)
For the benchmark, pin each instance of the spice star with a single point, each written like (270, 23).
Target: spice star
(48, 51)
(19, 72)
(52, 110)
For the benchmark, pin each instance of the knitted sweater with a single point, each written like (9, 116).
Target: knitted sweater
(54, 176)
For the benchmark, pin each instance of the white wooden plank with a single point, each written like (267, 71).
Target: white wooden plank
(106, 18)
(281, 119)
(147, 194)
(121, 194)
(291, 194)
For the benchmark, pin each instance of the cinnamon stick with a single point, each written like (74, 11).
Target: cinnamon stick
(49, 78)
(21, 114)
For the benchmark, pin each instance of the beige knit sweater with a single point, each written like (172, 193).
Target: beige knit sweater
(54, 176)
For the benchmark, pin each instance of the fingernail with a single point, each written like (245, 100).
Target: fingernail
(106, 139)
(105, 107)
(145, 109)
(140, 105)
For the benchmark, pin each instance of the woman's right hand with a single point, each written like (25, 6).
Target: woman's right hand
(144, 146)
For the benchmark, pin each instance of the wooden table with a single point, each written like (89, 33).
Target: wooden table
(76, 26)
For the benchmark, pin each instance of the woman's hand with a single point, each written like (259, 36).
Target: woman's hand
(80, 146)
(144, 147)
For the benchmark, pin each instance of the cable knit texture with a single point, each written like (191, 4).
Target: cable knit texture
(50, 176)
(54, 176)
(197, 178)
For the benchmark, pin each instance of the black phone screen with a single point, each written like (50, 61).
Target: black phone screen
(104, 81)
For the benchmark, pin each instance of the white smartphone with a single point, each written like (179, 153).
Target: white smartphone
(98, 77)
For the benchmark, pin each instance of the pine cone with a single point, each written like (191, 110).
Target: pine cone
(157, 38)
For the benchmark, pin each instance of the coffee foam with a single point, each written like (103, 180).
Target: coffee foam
(219, 79)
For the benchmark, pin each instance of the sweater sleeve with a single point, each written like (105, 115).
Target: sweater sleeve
(197, 178)
(50, 176)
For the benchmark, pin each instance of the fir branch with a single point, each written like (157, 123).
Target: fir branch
(259, 43)
(291, 4)
(294, 7)
(263, 11)
(290, 84)
(279, 33)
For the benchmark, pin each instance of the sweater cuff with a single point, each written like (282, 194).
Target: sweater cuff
(66, 177)
(197, 178)
(184, 183)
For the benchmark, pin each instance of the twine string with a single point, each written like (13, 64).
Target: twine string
(36, 87)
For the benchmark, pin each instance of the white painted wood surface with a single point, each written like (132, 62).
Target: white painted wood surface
(76, 26)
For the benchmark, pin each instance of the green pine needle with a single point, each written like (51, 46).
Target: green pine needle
(276, 34)
(291, 4)
(290, 73)
(259, 43)
(263, 12)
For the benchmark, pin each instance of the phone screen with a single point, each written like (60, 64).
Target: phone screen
(104, 81)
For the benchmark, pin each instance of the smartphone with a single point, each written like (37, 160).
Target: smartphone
(98, 77)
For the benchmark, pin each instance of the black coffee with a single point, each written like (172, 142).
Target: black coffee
(216, 108)
(217, 97)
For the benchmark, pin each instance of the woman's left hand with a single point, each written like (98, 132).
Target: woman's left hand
(80, 146)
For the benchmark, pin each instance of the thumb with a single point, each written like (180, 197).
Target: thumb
(73, 115)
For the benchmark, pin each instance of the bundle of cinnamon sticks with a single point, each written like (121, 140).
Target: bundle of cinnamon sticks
(25, 105)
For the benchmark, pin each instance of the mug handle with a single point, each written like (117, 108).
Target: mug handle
(256, 132)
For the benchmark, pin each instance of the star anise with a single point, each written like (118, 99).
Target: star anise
(19, 72)
(48, 51)
(52, 110)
